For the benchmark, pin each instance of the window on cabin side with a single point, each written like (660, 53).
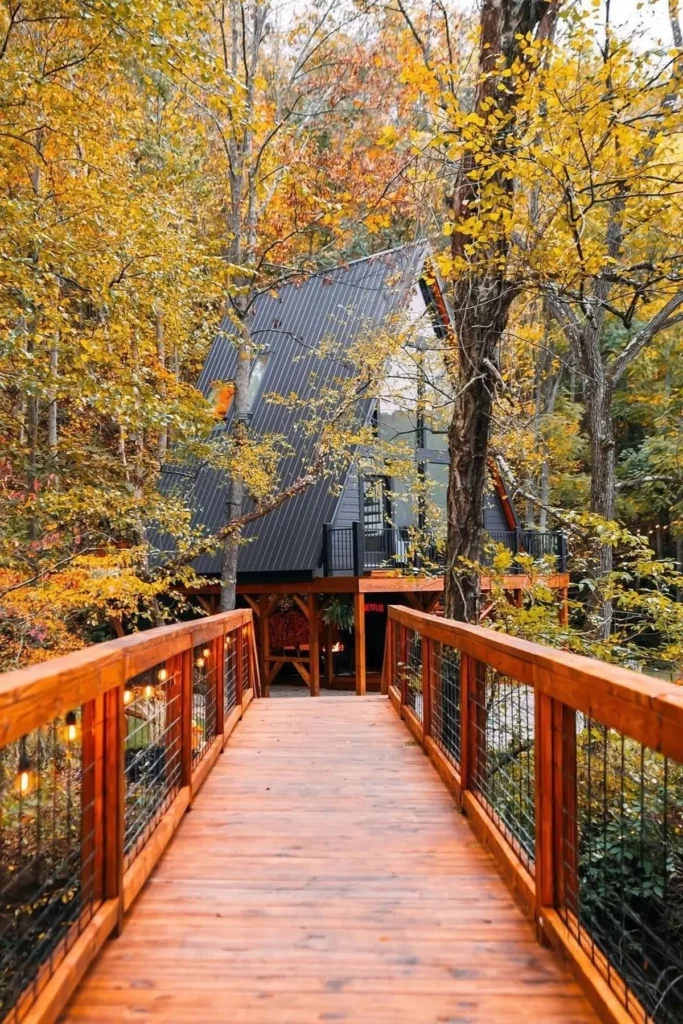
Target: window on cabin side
(258, 369)
(221, 396)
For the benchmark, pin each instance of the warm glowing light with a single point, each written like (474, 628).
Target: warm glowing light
(71, 727)
(162, 675)
(337, 648)
(206, 652)
(127, 696)
(24, 781)
(149, 691)
(199, 663)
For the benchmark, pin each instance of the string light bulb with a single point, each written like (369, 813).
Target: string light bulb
(206, 652)
(149, 691)
(162, 675)
(127, 696)
(24, 780)
(70, 727)
(199, 663)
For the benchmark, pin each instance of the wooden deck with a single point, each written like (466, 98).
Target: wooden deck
(323, 874)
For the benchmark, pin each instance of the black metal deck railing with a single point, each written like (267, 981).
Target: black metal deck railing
(352, 550)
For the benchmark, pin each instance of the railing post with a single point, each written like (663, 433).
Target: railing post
(403, 643)
(473, 718)
(358, 549)
(388, 663)
(239, 682)
(218, 652)
(565, 807)
(327, 561)
(562, 552)
(114, 798)
(258, 688)
(427, 654)
(186, 707)
(545, 814)
(517, 542)
(92, 788)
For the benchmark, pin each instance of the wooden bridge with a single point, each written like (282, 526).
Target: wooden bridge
(325, 872)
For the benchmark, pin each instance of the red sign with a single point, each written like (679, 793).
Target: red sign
(375, 608)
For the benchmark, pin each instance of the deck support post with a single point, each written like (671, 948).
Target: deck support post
(359, 632)
(564, 606)
(264, 642)
(314, 645)
(329, 655)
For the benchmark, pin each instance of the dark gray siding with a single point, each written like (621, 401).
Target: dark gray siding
(334, 308)
(348, 510)
(494, 517)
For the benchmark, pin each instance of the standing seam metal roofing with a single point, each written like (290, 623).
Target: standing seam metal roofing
(335, 306)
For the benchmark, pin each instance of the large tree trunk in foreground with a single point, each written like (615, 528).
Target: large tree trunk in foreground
(480, 327)
(481, 300)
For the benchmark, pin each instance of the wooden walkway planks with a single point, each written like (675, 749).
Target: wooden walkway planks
(323, 875)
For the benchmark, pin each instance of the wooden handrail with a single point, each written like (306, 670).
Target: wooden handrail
(31, 696)
(539, 747)
(646, 709)
(116, 739)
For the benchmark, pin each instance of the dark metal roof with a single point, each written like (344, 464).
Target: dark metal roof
(336, 307)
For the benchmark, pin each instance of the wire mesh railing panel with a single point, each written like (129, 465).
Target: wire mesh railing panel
(204, 684)
(230, 673)
(445, 700)
(152, 750)
(246, 678)
(623, 865)
(503, 772)
(413, 672)
(50, 866)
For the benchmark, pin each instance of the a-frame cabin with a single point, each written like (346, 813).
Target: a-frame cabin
(349, 540)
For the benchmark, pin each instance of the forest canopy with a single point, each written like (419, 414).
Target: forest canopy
(163, 163)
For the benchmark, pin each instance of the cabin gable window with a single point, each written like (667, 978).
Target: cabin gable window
(220, 397)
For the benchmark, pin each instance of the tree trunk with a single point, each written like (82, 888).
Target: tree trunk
(162, 446)
(236, 491)
(599, 396)
(52, 435)
(544, 495)
(481, 300)
(480, 323)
